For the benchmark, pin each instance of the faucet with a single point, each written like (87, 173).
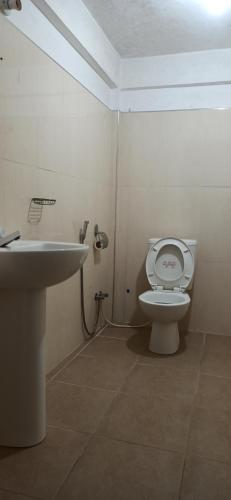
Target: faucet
(5, 240)
(83, 231)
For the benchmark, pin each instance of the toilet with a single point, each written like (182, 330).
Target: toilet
(170, 266)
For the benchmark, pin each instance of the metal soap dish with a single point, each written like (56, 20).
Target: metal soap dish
(36, 209)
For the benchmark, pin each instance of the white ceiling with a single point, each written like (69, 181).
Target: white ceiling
(139, 28)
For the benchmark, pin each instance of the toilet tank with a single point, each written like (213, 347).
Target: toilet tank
(192, 244)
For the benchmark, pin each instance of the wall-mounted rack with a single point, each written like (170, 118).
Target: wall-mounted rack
(43, 201)
(36, 208)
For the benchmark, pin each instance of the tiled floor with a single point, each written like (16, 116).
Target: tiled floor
(124, 424)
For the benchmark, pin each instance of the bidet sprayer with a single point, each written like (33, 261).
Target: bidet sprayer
(83, 231)
(6, 5)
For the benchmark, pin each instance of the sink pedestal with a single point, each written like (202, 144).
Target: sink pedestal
(22, 370)
(27, 268)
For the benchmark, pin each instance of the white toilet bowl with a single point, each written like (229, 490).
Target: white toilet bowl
(170, 269)
(165, 309)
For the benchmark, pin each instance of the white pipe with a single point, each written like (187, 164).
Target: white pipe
(123, 325)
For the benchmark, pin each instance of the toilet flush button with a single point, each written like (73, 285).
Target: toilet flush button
(187, 276)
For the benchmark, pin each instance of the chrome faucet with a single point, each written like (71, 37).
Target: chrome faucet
(83, 231)
(5, 240)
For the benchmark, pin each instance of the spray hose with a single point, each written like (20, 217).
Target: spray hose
(123, 325)
(97, 327)
(95, 330)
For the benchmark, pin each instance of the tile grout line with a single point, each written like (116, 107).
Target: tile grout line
(211, 374)
(116, 393)
(87, 387)
(19, 494)
(115, 338)
(91, 438)
(182, 454)
(71, 357)
(117, 440)
(161, 366)
(182, 478)
(190, 419)
(93, 434)
(194, 397)
(209, 459)
(99, 436)
(72, 467)
(68, 429)
(141, 445)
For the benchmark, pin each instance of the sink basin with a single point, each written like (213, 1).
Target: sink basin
(27, 268)
(39, 264)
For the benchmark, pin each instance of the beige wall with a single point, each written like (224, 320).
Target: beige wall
(56, 140)
(175, 180)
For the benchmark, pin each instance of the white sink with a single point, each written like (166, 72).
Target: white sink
(39, 264)
(26, 269)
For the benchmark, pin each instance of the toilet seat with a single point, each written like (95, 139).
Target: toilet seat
(164, 298)
(170, 265)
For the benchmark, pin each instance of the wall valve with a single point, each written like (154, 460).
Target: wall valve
(101, 295)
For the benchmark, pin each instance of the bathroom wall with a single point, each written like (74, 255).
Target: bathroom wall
(175, 180)
(56, 141)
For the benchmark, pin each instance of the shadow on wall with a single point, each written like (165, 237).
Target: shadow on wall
(141, 285)
(185, 322)
(97, 257)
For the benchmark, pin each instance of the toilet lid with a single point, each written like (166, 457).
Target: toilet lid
(170, 264)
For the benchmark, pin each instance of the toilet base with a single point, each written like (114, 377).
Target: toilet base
(164, 338)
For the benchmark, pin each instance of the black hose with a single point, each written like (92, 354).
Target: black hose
(88, 333)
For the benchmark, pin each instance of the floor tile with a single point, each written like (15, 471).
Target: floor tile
(149, 420)
(76, 408)
(121, 333)
(188, 357)
(5, 495)
(138, 342)
(210, 434)
(52, 374)
(217, 356)
(160, 381)
(106, 372)
(141, 432)
(104, 347)
(206, 480)
(41, 470)
(214, 393)
(121, 471)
